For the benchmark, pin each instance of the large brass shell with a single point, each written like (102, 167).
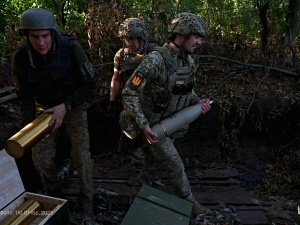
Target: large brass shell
(30, 135)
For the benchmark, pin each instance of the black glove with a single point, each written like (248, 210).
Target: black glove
(112, 108)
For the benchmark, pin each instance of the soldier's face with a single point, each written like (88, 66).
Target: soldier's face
(192, 44)
(132, 43)
(41, 40)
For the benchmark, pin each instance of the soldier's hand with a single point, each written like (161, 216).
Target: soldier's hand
(149, 135)
(205, 105)
(58, 116)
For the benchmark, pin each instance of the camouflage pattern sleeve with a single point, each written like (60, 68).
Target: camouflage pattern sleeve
(150, 67)
(84, 76)
(23, 90)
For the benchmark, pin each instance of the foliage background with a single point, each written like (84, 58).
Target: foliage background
(226, 19)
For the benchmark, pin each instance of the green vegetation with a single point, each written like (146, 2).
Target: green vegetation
(226, 19)
(274, 113)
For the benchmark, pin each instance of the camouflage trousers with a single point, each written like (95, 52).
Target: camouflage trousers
(165, 154)
(43, 155)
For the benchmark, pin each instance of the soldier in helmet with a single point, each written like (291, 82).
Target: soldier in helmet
(52, 74)
(162, 85)
(135, 35)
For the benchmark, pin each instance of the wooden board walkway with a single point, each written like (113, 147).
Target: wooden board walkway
(8, 95)
(216, 187)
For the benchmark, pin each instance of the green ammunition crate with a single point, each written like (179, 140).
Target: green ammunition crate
(155, 207)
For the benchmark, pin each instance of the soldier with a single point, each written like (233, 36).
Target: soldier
(135, 35)
(52, 74)
(162, 85)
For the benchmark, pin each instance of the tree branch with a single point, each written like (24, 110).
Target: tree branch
(249, 64)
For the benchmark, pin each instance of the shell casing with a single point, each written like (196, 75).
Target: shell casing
(24, 214)
(31, 134)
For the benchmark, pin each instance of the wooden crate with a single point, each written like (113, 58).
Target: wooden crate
(12, 195)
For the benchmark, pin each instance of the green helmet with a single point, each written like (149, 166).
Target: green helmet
(187, 24)
(133, 27)
(38, 19)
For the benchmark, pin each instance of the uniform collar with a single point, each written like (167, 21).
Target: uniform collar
(177, 54)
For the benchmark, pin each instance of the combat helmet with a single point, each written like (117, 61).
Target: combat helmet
(187, 24)
(133, 27)
(37, 19)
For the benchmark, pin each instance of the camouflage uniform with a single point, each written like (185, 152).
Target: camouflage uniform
(142, 100)
(160, 86)
(125, 62)
(63, 75)
(43, 155)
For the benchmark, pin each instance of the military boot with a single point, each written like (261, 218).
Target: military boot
(197, 207)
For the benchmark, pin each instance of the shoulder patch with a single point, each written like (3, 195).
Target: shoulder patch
(137, 79)
(89, 67)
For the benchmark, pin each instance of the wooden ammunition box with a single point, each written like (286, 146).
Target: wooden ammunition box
(12, 195)
(152, 206)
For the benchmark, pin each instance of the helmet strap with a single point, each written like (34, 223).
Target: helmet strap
(188, 37)
(53, 35)
(140, 45)
(177, 45)
(182, 44)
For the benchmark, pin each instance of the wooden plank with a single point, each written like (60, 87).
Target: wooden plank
(8, 97)
(221, 173)
(11, 185)
(225, 173)
(215, 182)
(98, 180)
(254, 217)
(241, 207)
(237, 198)
(228, 195)
(119, 188)
(7, 89)
(123, 172)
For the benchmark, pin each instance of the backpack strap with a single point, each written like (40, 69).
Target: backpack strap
(168, 60)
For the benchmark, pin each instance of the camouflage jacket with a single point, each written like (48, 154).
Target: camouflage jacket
(81, 71)
(152, 70)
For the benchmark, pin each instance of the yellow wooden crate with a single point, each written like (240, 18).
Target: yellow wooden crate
(13, 194)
